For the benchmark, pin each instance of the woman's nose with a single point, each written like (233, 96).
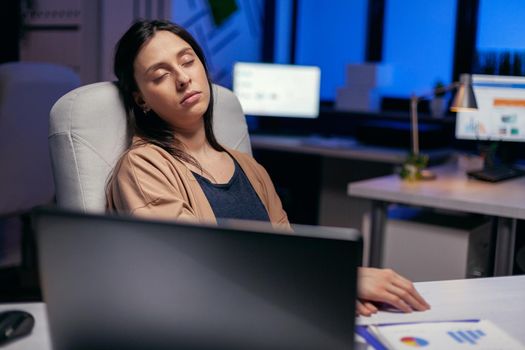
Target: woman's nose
(182, 80)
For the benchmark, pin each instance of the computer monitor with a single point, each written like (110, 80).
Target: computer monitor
(501, 110)
(124, 283)
(277, 90)
(498, 122)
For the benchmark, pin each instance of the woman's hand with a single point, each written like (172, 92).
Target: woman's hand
(386, 286)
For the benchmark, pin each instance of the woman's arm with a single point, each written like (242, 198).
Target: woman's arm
(146, 185)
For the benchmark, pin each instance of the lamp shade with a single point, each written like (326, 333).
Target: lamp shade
(464, 100)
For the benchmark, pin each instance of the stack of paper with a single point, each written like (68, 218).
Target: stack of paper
(471, 334)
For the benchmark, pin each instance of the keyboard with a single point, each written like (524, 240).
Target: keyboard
(497, 173)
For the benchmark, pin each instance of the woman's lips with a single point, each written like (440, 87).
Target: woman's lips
(191, 98)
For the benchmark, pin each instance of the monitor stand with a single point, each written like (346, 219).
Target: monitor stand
(499, 158)
(496, 173)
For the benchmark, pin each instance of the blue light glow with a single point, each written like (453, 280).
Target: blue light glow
(331, 35)
(419, 43)
(500, 25)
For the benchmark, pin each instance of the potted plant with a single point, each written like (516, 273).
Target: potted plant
(413, 169)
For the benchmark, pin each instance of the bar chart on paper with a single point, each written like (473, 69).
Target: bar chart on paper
(452, 335)
(467, 336)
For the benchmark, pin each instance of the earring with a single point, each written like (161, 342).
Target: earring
(145, 110)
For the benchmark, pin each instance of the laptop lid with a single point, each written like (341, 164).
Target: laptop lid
(114, 282)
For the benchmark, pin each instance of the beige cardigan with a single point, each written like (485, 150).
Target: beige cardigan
(149, 182)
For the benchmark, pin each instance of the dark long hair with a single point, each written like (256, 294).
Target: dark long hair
(151, 128)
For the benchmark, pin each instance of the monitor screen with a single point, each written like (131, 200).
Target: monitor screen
(277, 90)
(501, 110)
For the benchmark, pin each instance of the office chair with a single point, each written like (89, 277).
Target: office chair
(88, 133)
(28, 90)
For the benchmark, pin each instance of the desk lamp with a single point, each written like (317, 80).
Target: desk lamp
(464, 100)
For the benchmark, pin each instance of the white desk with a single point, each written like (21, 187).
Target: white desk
(452, 190)
(498, 299)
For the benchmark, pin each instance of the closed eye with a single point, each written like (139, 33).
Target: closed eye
(187, 60)
(161, 77)
(188, 63)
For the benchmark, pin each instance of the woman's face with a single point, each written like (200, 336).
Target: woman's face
(171, 81)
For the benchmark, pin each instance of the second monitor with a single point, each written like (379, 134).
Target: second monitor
(501, 110)
(500, 121)
(277, 90)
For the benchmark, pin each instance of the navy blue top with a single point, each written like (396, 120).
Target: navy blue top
(234, 200)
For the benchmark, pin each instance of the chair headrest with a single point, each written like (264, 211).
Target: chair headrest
(88, 133)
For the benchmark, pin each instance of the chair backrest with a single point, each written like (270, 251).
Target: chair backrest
(88, 133)
(28, 90)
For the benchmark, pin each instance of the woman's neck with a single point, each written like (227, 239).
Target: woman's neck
(194, 140)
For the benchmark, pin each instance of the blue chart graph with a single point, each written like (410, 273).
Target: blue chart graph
(466, 336)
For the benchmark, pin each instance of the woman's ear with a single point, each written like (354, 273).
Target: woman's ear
(139, 99)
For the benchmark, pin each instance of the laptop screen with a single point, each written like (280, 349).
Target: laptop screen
(113, 282)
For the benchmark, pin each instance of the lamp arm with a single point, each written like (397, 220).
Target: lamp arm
(414, 100)
(438, 90)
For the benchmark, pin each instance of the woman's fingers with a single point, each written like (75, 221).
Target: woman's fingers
(396, 301)
(407, 297)
(371, 307)
(365, 308)
(360, 309)
(414, 298)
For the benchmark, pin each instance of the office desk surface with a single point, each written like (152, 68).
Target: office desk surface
(498, 299)
(337, 147)
(451, 190)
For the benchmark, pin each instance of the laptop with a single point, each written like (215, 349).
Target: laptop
(124, 283)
